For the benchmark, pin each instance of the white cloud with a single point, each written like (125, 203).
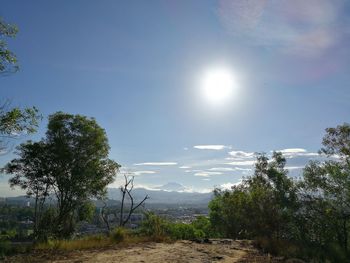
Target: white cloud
(242, 154)
(222, 169)
(243, 169)
(143, 172)
(242, 163)
(156, 164)
(297, 152)
(228, 186)
(293, 150)
(215, 147)
(294, 167)
(228, 169)
(185, 167)
(207, 174)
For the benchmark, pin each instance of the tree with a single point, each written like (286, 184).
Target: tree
(15, 122)
(126, 190)
(260, 206)
(74, 157)
(336, 142)
(8, 60)
(326, 188)
(31, 174)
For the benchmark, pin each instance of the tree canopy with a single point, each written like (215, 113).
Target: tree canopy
(8, 60)
(307, 218)
(15, 122)
(71, 163)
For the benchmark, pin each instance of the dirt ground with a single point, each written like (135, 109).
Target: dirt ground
(179, 252)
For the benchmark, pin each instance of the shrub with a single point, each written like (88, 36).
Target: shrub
(119, 234)
(154, 226)
(5, 248)
(202, 224)
(183, 231)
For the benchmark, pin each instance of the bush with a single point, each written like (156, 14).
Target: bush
(203, 225)
(159, 229)
(5, 248)
(119, 234)
(184, 231)
(154, 226)
(279, 247)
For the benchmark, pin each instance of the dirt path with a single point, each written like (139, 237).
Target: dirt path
(182, 251)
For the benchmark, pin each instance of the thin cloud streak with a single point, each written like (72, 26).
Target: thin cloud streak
(156, 164)
(242, 163)
(207, 174)
(143, 172)
(215, 147)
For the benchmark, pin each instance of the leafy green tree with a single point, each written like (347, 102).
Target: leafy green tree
(326, 190)
(31, 173)
(8, 60)
(228, 210)
(337, 142)
(86, 211)
(15, 122)
(308, 219)
(74, 158)
(260, 206)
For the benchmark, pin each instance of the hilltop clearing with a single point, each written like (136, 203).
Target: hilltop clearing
(182, 251)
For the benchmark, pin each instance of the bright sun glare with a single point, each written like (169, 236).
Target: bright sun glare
(218, 85)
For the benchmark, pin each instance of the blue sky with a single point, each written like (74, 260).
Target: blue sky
(135, 66)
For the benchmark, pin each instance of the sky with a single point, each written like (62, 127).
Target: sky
(138, 67)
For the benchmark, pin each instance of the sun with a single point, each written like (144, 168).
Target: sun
(218, 85)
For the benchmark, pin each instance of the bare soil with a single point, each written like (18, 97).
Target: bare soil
(223, 250)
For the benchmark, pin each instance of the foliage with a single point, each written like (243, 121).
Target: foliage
(259, 206)
(154, 226)
(8, 60)
(307, 219)
(182, 231)
(5, 246)
(119, 234)
(159, 228)
(202, 224)
(71, 163)
(15, 122)
(86, 211)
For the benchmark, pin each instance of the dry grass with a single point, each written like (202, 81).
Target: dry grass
(76, 244)
(120, 238)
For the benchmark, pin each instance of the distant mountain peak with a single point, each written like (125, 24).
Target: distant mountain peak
(172, 186)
